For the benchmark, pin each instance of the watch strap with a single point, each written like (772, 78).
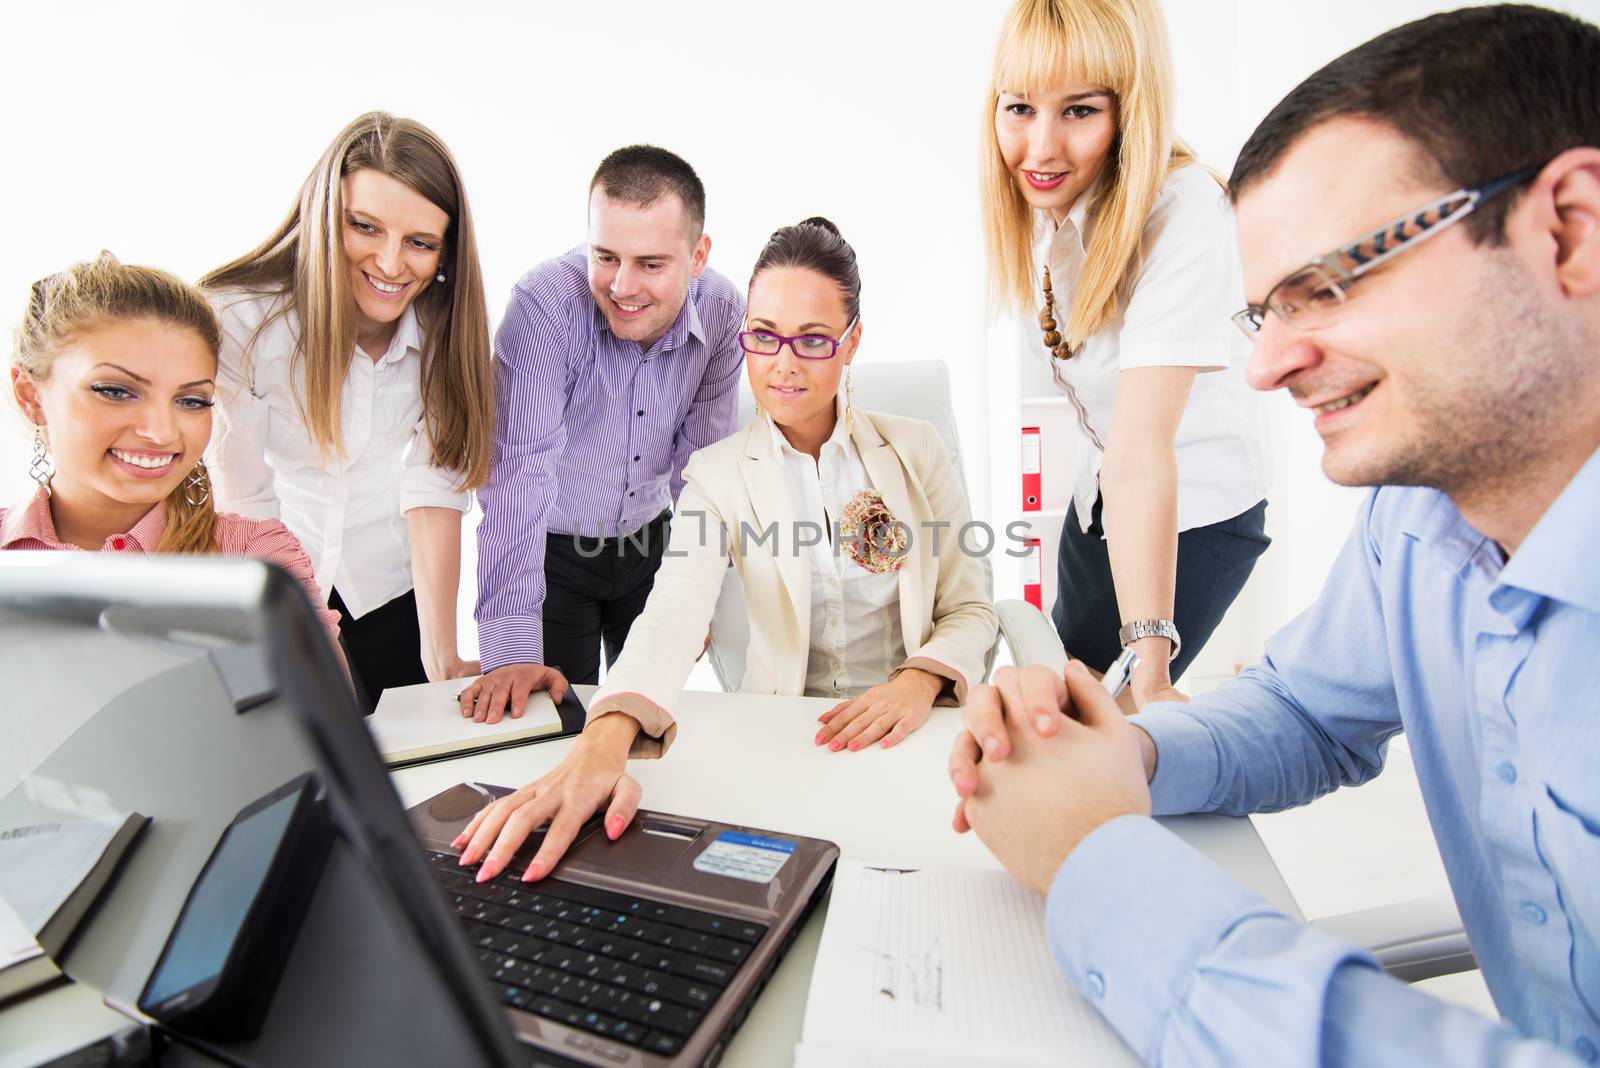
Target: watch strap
(1150, 628)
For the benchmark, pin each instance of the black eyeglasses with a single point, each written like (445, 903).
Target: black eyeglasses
(805, 346)
(1306, 297)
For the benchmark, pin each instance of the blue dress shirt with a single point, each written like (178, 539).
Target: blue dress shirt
(1492, 668)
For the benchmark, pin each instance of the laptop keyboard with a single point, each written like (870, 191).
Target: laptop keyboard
(625, 968)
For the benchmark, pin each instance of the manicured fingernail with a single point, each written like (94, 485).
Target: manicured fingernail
(836, 746)
(822, 736)
(535, 871)
(613, 827)
(991, 745)
(488, 871)
(1043, 723)
(459, 840)
(469, 857)
(855, 743)
(886, 743)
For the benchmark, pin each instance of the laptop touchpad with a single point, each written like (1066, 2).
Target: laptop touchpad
(651, 843)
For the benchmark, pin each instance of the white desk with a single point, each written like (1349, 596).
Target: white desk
(750, 760)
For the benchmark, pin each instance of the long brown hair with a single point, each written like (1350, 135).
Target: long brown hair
(304, 260)
(1121, 44)
(75, 301)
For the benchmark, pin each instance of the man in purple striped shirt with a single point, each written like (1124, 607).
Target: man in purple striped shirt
(615, 363)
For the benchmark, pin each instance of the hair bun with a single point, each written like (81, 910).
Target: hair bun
(817, 220)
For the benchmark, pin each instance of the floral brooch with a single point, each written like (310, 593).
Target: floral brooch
(873, 537)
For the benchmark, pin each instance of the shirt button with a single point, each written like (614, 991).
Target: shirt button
(630, 493)
(119, 542)
(1097, 985)
(635, 459)
(1586, 1050)
(639, 412)
(1507, 772)
(1533, 913)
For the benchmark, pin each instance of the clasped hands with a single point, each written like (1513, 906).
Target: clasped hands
(1044, 759)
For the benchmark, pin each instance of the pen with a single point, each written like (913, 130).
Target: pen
(1115, 680)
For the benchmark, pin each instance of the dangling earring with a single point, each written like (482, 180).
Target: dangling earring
(440, 276)
(40, 469)
(849, 401)
(197, 487)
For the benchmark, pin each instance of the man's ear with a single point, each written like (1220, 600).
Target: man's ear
(1574, 219)
(698, 258)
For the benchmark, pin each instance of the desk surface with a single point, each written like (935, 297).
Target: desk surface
(749, 759)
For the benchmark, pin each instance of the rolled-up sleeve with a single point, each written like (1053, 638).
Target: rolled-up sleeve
(425, 484)
(1188, 283)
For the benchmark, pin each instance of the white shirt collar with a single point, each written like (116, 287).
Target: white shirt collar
(407, 338)
(1075, 227)
(840, 438)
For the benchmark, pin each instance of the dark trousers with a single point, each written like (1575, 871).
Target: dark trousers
(384, 647)
(1213, 563)
(594, 589)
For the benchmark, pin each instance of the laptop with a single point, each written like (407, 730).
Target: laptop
(192, 689)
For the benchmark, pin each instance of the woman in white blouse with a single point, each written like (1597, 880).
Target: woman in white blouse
(830, 516)
(1103, 224)
(358, 394)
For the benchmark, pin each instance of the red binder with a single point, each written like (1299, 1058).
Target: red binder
(1031, 490)
(1033, 574)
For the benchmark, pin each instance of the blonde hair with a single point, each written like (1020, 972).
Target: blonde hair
(89, 295)
(304, 260)
(1122, 45)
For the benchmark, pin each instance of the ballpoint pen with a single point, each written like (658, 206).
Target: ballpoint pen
(1118, 675)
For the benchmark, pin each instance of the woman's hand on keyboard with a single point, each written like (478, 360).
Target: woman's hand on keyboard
(592, 775)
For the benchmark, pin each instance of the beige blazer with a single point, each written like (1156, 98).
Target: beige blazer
(737, 489)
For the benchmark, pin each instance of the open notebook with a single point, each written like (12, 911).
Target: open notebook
(943, 967)
(424, 722)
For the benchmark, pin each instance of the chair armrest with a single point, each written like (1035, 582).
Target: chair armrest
(1031, 637)
(1413, 940)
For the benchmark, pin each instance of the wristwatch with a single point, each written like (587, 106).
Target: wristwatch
(1150, 628)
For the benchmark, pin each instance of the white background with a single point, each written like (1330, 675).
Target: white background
(176, 134)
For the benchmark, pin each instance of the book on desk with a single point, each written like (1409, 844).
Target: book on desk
(414, 724)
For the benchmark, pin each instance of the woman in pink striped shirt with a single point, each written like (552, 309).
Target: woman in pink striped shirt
(114, 367)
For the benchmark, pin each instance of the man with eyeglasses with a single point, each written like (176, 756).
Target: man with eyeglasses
(614, 363)
(1419, 225)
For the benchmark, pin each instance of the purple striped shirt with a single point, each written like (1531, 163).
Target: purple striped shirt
(592, 433)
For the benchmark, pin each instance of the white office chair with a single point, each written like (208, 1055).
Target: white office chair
(920, 388)
(1413, 940)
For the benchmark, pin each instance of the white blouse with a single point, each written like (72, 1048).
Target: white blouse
(1178, 315)
(856, 639)
(348, 512)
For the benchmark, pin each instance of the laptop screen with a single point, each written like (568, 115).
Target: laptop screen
(186, 689)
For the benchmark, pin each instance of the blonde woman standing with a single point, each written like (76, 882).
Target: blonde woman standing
(1101, 223)
(358, 394)
(115, 368)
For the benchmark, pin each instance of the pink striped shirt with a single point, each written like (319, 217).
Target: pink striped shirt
(29, 525)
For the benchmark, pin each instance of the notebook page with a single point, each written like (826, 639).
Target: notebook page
(940, 966)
